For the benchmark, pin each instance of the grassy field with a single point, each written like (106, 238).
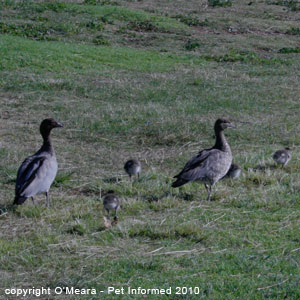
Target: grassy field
(147, 79)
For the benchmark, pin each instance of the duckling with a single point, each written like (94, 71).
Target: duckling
(283, 156)
(37, 172)
(234, 171)
(133, 167)
(111, 202)
(209, 165)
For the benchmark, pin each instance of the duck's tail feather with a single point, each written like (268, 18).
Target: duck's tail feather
(179, 182)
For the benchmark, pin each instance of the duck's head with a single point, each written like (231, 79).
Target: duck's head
(47, 125)
(222, 124)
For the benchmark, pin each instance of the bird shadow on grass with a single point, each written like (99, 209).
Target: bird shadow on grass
(183, 195)
(187, 197)
(199, 197)
(265, 167)
(156, 198)
(151, 198)
(112, 180)
(77, 229)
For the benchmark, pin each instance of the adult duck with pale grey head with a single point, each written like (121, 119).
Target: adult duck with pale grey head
(37, 172)
(209, 165)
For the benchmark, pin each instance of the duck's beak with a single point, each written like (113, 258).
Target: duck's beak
(230, 125)
(58, 124)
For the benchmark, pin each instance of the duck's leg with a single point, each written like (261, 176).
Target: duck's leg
(209, 190)
(47, 199)
(211, 187)
(32, 200)
(116, 215)
(206, 186)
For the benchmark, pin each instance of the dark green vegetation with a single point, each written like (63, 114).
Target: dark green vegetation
(147, 79)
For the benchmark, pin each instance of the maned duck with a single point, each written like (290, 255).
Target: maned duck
(209, 165)
(111, 202)
(133, 167)
(283, 156)
(37, 172)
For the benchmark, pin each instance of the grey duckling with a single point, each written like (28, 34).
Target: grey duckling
(111, 201)
(283, 156)
(234, 171)
(133, 167)
(37, 172)
(209, 165)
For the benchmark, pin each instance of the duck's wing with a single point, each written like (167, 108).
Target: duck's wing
(195, 161)
(28, 171)
(197, 167)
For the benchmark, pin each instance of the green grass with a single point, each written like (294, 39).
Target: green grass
(61, 57)
(147, 79)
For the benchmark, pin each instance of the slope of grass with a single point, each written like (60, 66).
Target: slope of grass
(18, 53)
(122, 78)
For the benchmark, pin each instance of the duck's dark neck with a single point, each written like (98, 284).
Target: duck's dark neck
(47, 144)
(221, 142)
